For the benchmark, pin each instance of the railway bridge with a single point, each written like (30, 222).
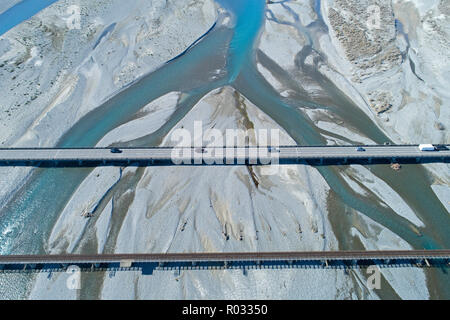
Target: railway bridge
(224, 260)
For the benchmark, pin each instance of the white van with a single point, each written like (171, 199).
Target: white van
(426, 147)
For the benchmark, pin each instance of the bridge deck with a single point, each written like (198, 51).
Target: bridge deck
(212, 155)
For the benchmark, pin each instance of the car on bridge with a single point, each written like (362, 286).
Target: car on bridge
(116, 150)
(360, 149)
(441, 147)
(201, 150)
(273, 149)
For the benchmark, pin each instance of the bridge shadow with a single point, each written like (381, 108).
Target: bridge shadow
(148, 268)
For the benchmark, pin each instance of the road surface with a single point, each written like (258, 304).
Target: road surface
(223, 156)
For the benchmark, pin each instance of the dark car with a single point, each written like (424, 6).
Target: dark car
(200, 150)
(360, 149)
(116, 150)
(441, 147)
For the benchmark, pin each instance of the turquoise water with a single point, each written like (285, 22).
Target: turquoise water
(20, 12)
(247, 18)
(317, 9)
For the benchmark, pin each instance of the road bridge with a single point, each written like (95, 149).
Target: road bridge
(166, 156)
